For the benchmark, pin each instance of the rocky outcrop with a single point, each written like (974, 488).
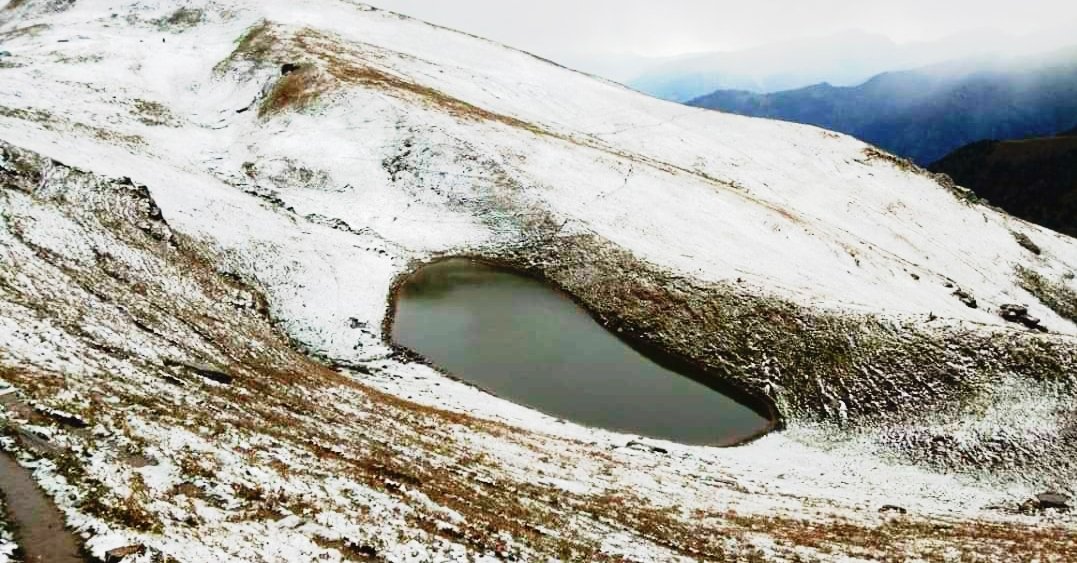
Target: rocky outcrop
(1019, 314)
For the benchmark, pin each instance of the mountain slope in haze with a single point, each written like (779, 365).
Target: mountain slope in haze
(843, 59)
(924, 114)
(1035, 179)
(771, 68)
(205, 209)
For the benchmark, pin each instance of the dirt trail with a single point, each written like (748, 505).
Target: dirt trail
(39, 525)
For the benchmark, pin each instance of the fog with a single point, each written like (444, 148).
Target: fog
(621, 39)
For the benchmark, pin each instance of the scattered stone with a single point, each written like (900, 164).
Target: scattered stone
(121, 553)
(966, 298)
(892, 508)
(1026, 243)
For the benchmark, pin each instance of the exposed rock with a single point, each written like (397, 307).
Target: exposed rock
(122, 553)
(892, 508)
(1056, 501)
(356, 323)
(203, 370)
(1019, 314)
(635, 444)
(1025, 242)
(288, 68)
(966, 298)
(1010, 311)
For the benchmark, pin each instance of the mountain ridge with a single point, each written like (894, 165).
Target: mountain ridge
(924, 114)
(1035, 179)
(846, 58)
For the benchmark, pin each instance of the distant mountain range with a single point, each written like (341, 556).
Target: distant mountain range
(843, 59)
(847, 58)
(924, 114)
(1035, 179)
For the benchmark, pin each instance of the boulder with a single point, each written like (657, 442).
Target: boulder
(637, 445)
(1056, 501)
(1019, 314)
(966, 298)
(1026, 243)
(1013, 311)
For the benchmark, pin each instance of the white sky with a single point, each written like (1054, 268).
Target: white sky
(575, 28)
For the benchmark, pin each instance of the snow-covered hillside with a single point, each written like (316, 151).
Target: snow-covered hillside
(313, 151)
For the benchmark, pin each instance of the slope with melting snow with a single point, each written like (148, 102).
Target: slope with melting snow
(791, 210)
(427, 141)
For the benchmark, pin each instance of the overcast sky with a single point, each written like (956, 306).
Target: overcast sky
(582, 28)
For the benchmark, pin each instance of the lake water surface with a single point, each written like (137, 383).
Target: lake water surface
(522, 340)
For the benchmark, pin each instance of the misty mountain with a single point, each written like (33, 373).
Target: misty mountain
(844, 59)
(1035, 179)
(770, 68)
(925, 113)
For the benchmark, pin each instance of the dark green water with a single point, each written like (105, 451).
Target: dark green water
(526, 342)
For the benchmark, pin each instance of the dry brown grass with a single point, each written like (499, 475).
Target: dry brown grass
(297, 90)
(901, 538)
(329, 63)
(129, 511)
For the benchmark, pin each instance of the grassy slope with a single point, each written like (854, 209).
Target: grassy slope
(1035, 179)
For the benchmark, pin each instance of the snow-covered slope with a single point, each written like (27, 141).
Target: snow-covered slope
(387, 140)
(793, 210)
